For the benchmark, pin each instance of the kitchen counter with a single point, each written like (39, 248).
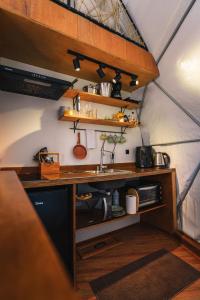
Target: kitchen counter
(63, 178)
(164, 217)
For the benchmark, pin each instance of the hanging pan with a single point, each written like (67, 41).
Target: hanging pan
(79, 151)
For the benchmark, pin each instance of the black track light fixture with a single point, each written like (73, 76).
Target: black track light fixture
(77, 57)
(117, 77)
(134, 80)
(100, 71)
(76, 63)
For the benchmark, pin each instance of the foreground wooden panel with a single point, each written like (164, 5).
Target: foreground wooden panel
(30, 268)
(41, 32)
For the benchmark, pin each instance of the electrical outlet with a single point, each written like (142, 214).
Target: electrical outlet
(127, 151)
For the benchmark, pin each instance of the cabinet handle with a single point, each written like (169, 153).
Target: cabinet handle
(38, 203)
(105, 208)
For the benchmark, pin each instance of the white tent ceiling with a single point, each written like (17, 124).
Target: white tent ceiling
(156, 20)
(171, 111)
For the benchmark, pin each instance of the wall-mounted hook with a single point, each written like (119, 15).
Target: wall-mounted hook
(75, 125)
(123, 130)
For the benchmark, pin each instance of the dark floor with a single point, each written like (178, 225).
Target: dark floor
(137, 241)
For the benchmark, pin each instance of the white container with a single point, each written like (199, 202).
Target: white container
(105, 89)
(131, 204)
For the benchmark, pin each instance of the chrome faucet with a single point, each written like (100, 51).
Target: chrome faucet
(102, 167)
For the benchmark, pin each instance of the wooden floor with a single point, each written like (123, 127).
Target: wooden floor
(137, 241)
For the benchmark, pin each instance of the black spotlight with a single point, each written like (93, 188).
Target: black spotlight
(76, 64)
(100, 71)
(117, 77)
(134, 80)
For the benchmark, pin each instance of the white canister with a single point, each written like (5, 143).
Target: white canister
(131, 204)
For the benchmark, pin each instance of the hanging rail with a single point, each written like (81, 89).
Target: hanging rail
(98, 130)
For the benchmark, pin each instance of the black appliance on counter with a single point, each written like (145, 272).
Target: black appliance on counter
(144, 157)
(32, 84)
(52, 204)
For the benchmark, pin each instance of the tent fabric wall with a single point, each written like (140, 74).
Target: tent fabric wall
(171, 108)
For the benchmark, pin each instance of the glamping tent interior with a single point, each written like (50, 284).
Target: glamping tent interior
(99, 149)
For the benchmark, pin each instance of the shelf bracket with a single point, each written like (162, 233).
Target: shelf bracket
(123, 130)
(75, 125)
(75, 101)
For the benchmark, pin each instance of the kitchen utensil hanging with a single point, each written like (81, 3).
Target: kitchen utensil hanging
(79, 151)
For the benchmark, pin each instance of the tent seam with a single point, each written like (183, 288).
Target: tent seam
(178, 142)
(197, 122)
(176, 30)
(185, 193)
(167, 45)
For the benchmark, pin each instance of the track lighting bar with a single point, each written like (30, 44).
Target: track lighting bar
(76, 62)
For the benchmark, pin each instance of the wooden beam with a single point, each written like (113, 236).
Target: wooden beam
(41, 32)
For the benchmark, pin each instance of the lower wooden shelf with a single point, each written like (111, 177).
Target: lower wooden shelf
(141, 211)
(97, 121)
(150, 208)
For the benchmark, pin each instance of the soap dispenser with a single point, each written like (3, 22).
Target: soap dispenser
(115, 198)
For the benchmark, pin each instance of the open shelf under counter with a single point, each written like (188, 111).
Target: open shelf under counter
(127, 216)
(80, 119)
(146, 209)
(89, 97)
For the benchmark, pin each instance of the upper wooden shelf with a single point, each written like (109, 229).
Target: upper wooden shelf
(71, 93)
(40, 33)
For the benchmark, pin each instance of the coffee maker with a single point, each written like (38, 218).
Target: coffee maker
(144, 157)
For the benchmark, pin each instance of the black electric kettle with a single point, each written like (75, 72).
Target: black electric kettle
(161, 160)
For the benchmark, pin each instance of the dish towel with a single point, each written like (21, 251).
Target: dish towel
(91, 139)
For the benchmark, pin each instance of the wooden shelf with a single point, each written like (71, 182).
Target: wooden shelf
(96, 121)
(150, 208)
(71, 93)
(141, 211)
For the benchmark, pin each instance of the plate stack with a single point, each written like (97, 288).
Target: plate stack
(118, 211)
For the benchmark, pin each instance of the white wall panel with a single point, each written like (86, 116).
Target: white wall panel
(164, 122)
(100, 229)
(185, 158)
(180, 66)
(156, 20)
(191, 211)
(29, 123)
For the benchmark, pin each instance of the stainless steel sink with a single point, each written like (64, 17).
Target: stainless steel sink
(95, 172)
(108, 172)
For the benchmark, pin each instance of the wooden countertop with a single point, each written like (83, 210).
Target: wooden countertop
(64, 178)
(30, 268)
